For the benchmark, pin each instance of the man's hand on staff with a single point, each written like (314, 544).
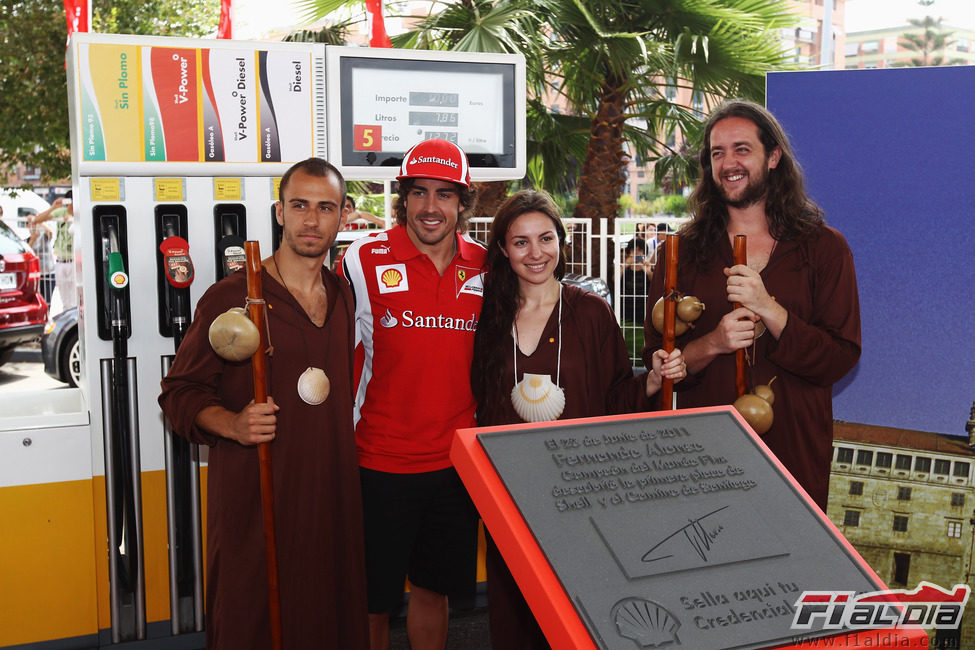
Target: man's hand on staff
(253, 425)
(256, 423)
(745, 286)
(735, 331)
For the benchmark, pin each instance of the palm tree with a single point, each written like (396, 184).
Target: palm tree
(609, 60)
(615, 57)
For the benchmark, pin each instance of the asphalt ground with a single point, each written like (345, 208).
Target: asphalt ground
(25, 372)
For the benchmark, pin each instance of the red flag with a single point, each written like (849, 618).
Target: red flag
(225, 30)
(377, 34)
(76, 15)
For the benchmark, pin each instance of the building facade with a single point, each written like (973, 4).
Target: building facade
(884, 48)
(906, 501)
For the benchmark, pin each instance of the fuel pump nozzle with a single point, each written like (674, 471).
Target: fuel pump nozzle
(178, 268)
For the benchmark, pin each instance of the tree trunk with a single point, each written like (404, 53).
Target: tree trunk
(602, 178)
(490, 196)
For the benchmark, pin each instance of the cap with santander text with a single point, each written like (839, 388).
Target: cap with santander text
(437, 159)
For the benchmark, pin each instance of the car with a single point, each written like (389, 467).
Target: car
(23, 311)
(60, 348)
(19, 204)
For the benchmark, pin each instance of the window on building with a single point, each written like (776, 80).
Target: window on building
(884, 458)
(864, 457)
(903, 494)
(697, 102)
(869, 47)
(851, 518)
(856, 488)
(922, 464)
(902, 568)
(844, 455)
(954, 529)
(851, 49)
(900, 523)
(957, 499)
(961, 45)
(942, 466)
(671, 89)
(902, 462)
(961, 470)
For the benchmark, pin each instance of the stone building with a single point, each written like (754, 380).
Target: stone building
(906, 501)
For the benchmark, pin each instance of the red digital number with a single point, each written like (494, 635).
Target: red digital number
(367, 137)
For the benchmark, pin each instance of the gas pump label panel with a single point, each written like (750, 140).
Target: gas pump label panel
(107, 190)
(228, 189)
(168, 190)
(180, 104)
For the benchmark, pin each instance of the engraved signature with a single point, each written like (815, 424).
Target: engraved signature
(699, 537)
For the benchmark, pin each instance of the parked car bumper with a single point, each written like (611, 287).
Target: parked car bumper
(52, 343)
(20, 334)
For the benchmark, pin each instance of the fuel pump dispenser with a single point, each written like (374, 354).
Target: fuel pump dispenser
(175, 273)
(123, 476)
(154, 183)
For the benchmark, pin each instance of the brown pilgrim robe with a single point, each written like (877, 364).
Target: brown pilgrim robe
(597, 377)
(316, 484)
(814, 280)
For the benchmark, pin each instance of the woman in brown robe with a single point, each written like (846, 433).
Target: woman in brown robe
(538, 337)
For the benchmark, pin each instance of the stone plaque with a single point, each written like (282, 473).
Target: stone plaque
(672, 530)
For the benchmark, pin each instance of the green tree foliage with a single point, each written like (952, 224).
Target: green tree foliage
(33, 99)
(928, 41)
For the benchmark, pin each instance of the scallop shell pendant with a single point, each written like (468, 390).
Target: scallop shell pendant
(313, 386)
(537, 399)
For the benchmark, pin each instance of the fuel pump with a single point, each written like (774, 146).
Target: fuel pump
(121, 435)
(175, 273)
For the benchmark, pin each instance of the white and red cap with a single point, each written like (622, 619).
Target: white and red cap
(438, 159)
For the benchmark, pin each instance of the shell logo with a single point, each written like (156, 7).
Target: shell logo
(391, 278)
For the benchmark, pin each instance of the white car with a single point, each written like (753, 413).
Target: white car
(17, 206)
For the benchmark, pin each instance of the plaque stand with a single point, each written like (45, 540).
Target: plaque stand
(509, 473)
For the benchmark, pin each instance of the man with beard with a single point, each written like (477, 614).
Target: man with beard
(799, 319)
(418, 289)
(317, 506)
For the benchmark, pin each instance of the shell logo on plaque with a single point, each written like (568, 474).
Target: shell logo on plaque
(173, 104)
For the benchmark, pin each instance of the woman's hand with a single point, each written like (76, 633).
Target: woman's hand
(665, 365)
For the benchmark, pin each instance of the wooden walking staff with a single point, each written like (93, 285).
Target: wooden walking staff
(741, 370)
(670, 317)
(255, 307)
